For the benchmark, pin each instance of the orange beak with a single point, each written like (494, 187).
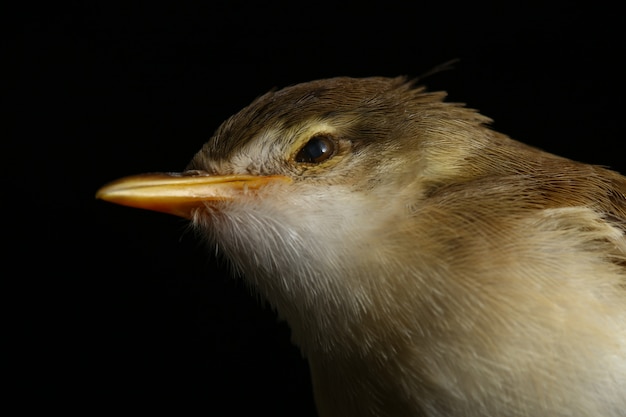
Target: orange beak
(180, 193)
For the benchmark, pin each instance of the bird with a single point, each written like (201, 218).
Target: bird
(426, 264)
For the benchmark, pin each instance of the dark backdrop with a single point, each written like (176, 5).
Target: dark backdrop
(113, 309)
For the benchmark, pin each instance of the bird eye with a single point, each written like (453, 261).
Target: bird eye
(317, 149)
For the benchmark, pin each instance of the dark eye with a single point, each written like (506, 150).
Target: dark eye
(316, 150)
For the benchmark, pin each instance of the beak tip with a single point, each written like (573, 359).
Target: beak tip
(104, 193)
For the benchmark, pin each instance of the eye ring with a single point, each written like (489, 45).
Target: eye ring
(318, 149)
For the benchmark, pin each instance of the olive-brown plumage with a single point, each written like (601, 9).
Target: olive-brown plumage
(427, 265)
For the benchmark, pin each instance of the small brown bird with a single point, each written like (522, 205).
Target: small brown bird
(427, 265)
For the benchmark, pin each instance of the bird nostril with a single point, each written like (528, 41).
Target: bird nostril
(194, 173)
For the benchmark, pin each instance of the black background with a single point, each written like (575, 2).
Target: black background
(114, 309)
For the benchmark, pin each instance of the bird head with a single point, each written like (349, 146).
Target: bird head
(310, 192)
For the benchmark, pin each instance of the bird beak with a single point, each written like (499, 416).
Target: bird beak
(180, 193)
